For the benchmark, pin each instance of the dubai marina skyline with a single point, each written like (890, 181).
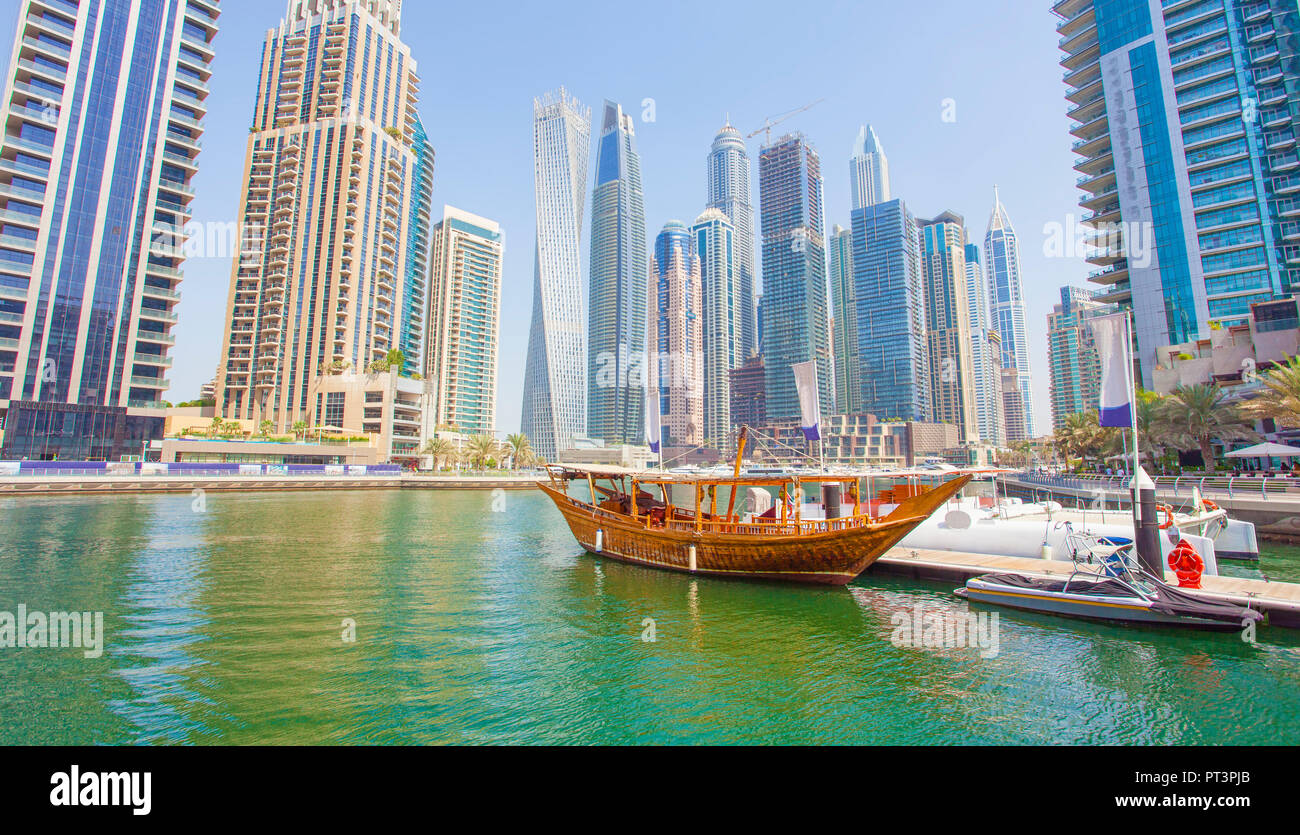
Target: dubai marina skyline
(950, 136)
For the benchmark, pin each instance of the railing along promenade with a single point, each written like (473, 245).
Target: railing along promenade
(1268, 488)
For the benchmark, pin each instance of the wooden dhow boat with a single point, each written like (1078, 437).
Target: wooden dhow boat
(622, 519)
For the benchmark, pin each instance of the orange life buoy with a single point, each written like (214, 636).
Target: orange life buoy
(1169, 516)
(1187, 564)
(1209, 505)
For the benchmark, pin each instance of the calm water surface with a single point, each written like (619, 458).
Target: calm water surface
(481, 627)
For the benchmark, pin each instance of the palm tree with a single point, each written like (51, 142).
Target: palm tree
(1078, 436)
(1282, 400)
(264, 428)
(441, 449)
(1198, 414)
(481, 448)
(521, 451)
(214, 430)
(1154, 417)
(299, 428)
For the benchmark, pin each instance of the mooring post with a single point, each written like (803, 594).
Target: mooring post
(1145, 523)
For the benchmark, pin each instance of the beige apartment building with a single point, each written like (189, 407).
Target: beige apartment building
(319, 293)
(952, 362)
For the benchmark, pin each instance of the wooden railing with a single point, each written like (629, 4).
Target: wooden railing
(684, 521)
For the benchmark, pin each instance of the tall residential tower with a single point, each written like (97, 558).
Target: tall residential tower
(844, 325)
(714, 240)
(796, 325)
(1185, 117)
(328, 201)
(465, 321)
(893, 372)
(1007, 313)
(616, 314)
(555, 377)
(104, 107)
(674, 338)
(729, 192)
(947, 324)
(868, 170)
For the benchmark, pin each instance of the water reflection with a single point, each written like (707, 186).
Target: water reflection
(475, 626)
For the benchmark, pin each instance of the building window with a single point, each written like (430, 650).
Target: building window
(334, 401)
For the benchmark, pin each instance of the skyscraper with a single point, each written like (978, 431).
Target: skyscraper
(104, 111)
(714, 239)
(1072, 353)
(1007, 312)
(796, 327)
(674, 339)
(411, 328)
(987, 368)
(729, 193)
(868, 170)
(893, 372)
(555, 377)
(330, 190)
(617, 292)
(1185, 119)
(465, 321)
(844, 330)
(947, 323)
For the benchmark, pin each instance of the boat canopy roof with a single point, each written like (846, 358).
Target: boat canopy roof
(771, 479)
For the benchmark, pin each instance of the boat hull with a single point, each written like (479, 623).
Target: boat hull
(832, 558)
(1115, 610)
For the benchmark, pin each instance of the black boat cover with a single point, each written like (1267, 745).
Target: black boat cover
(1168, 600)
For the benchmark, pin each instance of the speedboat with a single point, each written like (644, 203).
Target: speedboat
(1116, 590)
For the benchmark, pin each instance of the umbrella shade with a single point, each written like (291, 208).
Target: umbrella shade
(1268, 450)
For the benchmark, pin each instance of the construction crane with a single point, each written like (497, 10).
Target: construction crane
(772, 121)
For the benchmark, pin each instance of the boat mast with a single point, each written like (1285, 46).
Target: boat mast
(740, 457)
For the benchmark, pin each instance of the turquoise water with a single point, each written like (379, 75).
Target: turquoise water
(475, 626)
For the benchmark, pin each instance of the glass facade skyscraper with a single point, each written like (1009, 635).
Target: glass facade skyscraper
(1184, 117)
(844, 315)
(729, 192)
(1007, 313)
(555, 376)
(329, 196)
(796, 325)
(616, 314)
(714, 240)
(868, 170)
(893, 372)
(411, 328)
(105, 101)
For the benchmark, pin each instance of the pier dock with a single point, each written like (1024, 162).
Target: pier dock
(1279, 601)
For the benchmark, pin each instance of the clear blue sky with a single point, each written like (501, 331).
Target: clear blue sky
(887, 63)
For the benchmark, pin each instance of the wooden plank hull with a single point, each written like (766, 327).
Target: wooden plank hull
(832, 557)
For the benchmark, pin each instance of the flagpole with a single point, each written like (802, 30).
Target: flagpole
(1132, 387)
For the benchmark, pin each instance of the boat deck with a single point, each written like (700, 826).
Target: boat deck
(1280, 601)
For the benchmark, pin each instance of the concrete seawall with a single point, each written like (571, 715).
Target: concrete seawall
(80, 485)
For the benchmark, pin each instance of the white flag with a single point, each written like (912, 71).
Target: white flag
(651, 410)
(810, 407)
(1111, 334)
